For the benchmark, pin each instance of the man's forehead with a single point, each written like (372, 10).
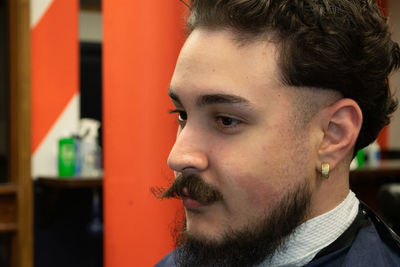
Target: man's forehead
(223, 46)
(211, 63)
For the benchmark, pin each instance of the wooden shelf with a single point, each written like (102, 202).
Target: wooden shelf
(8, 189)
(386, 168)
(70, 182)
(367, 181)
(8, 227)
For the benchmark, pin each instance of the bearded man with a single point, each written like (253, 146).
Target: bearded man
(274, 98)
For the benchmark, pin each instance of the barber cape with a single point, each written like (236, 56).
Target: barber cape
(366, 242)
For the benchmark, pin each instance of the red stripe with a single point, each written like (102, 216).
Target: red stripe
(383, 138)
(55, 65)
(383, 4)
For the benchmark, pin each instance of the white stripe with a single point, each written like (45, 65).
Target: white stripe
(38, 8)
(44, 160)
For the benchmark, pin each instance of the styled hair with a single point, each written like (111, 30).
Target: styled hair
(341, 45)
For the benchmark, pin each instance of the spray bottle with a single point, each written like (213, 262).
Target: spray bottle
(374, 154)
(90, 151)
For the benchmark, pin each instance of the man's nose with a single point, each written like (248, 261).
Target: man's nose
(188, 151)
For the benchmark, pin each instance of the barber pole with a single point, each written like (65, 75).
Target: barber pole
(55, 79)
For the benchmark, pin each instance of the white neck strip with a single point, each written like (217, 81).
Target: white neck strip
(315, 234)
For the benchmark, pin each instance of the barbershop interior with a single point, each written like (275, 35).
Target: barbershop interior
(85, 133)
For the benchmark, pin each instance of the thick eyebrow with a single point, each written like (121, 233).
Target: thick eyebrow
(174, 97)
(212, 99)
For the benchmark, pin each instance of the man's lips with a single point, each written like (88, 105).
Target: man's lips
(189, 202)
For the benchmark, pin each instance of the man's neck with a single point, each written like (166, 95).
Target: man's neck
(329, 193)
(315, 234)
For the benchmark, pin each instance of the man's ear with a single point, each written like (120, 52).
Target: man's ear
(341, 123)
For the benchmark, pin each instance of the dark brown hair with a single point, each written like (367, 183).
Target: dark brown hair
(344, 45)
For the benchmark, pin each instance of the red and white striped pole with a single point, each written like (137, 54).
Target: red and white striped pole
(55, 79)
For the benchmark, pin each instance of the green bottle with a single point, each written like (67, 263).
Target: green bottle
(66, 157)
(360, 158)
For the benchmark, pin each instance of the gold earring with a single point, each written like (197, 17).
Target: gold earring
(325, 170)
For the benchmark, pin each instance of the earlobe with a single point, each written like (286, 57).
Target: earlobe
(341, 123)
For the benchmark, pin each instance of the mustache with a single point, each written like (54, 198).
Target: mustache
(195, 187)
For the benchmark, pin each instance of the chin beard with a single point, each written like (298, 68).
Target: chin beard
(252, 244)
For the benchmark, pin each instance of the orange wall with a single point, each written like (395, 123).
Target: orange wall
(140, 45)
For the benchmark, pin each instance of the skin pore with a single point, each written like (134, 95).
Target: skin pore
(239, 133)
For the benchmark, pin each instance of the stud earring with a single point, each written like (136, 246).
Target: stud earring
(325, 170)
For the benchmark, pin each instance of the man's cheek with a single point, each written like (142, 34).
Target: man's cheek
(256, 191)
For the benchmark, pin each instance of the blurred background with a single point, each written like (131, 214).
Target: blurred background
(85, 132)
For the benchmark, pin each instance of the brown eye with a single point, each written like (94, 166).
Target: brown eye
(227, 121)
(182, 116)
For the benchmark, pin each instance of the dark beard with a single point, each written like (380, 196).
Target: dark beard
(251, 245)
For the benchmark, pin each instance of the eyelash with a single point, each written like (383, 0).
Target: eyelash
(182, 118)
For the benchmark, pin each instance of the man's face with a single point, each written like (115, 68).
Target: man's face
(236, 132)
